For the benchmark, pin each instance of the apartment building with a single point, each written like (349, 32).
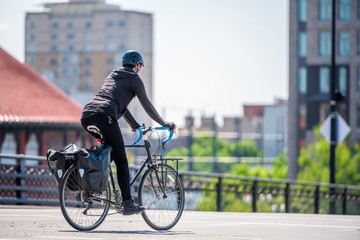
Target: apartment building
(309, 69)
(76, 44)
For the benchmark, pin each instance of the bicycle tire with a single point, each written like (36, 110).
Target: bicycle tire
(160, 213)
(82, 212)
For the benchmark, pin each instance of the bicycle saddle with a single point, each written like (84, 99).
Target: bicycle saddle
(94, 129)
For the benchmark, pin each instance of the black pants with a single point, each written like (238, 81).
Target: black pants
(113, 137)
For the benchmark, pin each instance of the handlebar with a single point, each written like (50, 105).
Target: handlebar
(142, 131)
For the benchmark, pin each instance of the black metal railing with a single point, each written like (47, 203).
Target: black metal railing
(23, 184)
(285, 195)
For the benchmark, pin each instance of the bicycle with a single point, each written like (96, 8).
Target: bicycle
(161, 191)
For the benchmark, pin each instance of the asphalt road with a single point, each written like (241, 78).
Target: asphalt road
(20, 222)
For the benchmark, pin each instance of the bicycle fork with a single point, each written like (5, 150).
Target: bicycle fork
(164, 196)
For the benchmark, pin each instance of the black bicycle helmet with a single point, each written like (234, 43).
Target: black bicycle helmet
(132, 58)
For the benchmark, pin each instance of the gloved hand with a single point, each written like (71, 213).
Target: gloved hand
(171, 125)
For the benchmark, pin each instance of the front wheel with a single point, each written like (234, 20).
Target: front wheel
(162, 194)
(83, 210)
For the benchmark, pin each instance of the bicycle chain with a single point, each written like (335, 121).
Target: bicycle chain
(118, 202)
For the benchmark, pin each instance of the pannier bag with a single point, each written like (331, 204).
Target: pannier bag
(60, 161)
(93, 166)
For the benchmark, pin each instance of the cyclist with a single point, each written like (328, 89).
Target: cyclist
(111, 103)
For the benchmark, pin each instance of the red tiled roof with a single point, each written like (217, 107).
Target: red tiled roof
(25, 96)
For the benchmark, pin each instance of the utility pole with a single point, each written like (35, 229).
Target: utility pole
(214, 135)
(190, 125)
(333, 90)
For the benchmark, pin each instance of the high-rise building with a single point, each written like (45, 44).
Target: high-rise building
(76, 44)
(309, 69)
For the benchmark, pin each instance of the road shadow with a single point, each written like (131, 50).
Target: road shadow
(145, 232)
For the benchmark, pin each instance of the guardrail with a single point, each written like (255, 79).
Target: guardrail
(22, 184)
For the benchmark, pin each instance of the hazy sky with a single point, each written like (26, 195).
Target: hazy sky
(210, 56)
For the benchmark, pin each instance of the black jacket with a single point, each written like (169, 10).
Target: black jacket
(119, 88)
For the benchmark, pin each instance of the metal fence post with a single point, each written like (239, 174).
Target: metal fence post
(317, 199)
(287, 198)
(20, 169)
(254, 195)
(344, 205)
(219, 189)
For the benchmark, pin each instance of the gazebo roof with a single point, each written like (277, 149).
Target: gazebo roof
(27, 98)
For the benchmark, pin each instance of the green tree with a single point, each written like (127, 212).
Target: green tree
(202, 146)
(314, 162)
(248, 148)
(278, 169)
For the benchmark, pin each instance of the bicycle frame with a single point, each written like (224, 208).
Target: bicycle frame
(146, 145)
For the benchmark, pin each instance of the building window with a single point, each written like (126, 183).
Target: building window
(55, 25)
(64, 59)
(88, 60)
(53, 61)
(344, 10)
(109, 35)
(302, 80)
(88, 72)
(302, 44)
(325, 44)
(358, 115)
(31, 25)
(71, 48)
(32, 148)
(358, 9)
(88, 48)
(110, 47)
(54, 37)
(121, 47)
(343, 79)
(121, 23)
(88, 84)
(31, 48)
(9, 146)
(325, 10)
(64, 71)
(358, 79)
(54, 49)
(31, 59)
(344, 44)
(302, 10)
(31, 37)
(109, 60)
(324, 77)
(110, 23)
(74, 59)
(70, 36)
(71, 25)
(358, 43)
(121, 35)
(302, 115)
(118, 58)
(88, 25)
(88, 36)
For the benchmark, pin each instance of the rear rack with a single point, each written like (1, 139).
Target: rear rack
(165, 160)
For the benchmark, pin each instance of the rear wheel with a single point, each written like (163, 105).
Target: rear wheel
(162, 194)
(83, 210)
